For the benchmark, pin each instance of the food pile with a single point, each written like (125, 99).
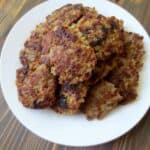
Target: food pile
(80, 61)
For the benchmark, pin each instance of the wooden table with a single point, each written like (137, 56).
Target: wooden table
(13, 136)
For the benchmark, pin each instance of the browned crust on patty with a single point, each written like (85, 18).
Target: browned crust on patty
(101, 99)
(126, 74)
(104, 34)
(70, 97)
(72, 60)
(36, 88)
(65, 15)
(34, 46)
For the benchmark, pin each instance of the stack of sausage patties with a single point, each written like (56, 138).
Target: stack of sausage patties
(80, 61)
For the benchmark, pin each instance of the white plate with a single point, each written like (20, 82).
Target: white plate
(71, 130)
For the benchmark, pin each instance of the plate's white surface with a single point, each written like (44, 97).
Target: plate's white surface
(71, 130)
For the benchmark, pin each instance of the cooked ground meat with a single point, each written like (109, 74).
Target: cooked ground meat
(104, 34)
(125, 76)
(34, 46)
(65, 15)
(101, 99)
(70, 97)
(72, 65)
(36, 88)
(102, 69)
(80, 61)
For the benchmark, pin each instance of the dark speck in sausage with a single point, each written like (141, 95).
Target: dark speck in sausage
(62, 102)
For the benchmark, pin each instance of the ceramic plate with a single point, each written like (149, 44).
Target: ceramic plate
(72, 130)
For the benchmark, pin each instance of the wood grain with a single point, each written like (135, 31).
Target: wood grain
(13, 136)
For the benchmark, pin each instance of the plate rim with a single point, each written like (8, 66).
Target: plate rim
(2, 89)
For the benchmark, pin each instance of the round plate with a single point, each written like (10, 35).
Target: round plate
(71, 130)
